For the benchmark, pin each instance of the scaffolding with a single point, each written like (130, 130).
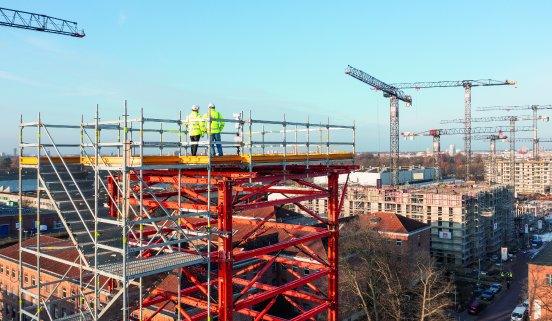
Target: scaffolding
(138, 208)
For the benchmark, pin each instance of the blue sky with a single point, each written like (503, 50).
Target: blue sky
(276, 57)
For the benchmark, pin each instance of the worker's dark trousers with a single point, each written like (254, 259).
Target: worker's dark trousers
(195, 139)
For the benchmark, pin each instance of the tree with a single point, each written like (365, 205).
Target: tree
(375, 283)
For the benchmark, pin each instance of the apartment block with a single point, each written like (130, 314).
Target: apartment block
(467, 221)
(531, 176)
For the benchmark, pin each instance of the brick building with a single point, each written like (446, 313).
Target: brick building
(57, 278)
(539, 285)
(410, 238)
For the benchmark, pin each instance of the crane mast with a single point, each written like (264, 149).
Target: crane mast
(492, 153)
(535, 109)
(394, 95)
(39, 22)
(436, 134)
(467, 84)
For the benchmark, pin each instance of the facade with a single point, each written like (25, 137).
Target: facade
(539, 281)
(531, 176)
(410, 239)
(53, 274)
(467, 221)
(376, 176)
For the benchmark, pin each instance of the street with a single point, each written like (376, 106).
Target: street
(507, 299)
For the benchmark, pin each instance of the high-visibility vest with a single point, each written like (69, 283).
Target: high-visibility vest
(217, 124)
(195, 124)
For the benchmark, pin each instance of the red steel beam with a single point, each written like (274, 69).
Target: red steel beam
(257, 298)
(280, 201)
(292, 293)
(312, 312)
(253, 313)
(333, 249)
(280, 246)
(225, 261)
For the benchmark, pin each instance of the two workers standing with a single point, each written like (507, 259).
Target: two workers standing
(198, 126)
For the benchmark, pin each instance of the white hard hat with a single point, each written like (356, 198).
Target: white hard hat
(211, 105)
(195, 107)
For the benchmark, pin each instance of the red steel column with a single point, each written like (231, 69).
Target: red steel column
(225, 251)
(333, 254)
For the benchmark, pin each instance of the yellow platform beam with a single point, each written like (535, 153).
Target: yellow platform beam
(194, 160)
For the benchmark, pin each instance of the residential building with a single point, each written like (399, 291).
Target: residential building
(531, 176)
(58, 279)
(468, 221)
(539, 285)
(410, 239)
(377, 176)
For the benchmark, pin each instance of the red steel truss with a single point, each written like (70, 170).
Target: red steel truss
(237, 284)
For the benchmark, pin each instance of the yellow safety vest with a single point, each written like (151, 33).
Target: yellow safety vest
(195, 124)
(217, 124)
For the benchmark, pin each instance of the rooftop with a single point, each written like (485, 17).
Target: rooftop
(386, 222)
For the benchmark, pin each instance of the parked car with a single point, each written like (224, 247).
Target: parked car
(519, 314)
(495, 288)
(475, 307)
(525, 303)
(487, 295)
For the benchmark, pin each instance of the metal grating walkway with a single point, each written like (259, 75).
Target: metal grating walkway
(84, 316)
(153, 265)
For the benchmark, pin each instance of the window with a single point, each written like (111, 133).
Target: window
(398, 242)
(63, 292)
(295, 268)
(549, 279)
(13, 273)
(55, 311)
(33, 280)
(26, 279)
(1, 268)
(63, 312)
(306, 271)
(74, 295)
(7, 270)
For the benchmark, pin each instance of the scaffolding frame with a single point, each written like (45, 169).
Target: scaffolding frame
(134, 218)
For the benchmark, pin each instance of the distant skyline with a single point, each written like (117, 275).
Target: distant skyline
(278, 57)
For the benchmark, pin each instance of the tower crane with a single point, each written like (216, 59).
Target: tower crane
(535, 109)
(39, 22)
(436, 134)
(512, 139)
(467, 84)
(492, 152)
(394, 95)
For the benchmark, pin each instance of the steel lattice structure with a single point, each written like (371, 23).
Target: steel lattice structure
(467, 84)
(394, 95)
(136, 219)
(39, 22)
(436, 134)
(492, 152)
(535, 109)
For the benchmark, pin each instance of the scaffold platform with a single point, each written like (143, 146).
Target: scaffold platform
(155, 225)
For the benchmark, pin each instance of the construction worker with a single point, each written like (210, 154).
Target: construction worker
(510, 275)
(502, 274)
(196, 127)
(217, 124)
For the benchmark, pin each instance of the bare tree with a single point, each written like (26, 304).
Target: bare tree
(539, 292)
(374, 282)
(433, 292)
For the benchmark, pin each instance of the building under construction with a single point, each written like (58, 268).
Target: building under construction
(467, 221)
(531, 176)
(139, 208)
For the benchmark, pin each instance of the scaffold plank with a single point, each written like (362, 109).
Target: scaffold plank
(149, 266)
